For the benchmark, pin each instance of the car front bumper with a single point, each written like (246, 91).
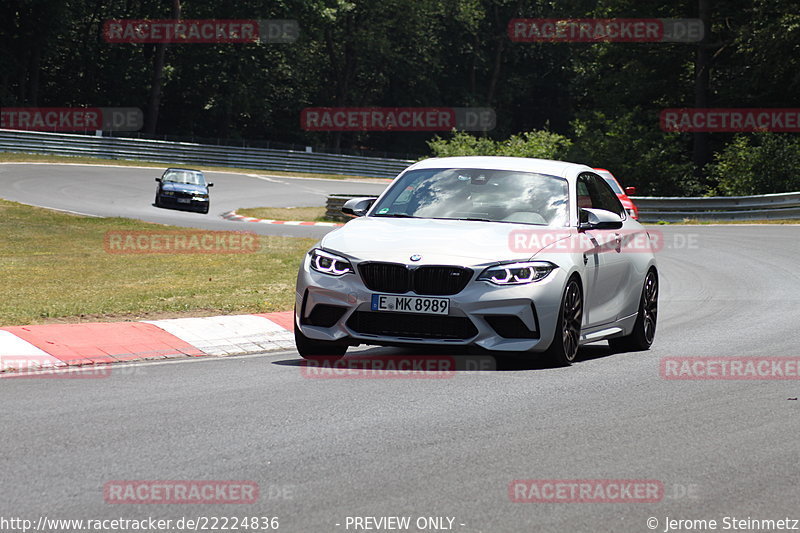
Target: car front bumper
(191, 204)
(502, 318)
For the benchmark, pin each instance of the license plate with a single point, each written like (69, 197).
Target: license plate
(183, 200)
(410, 304)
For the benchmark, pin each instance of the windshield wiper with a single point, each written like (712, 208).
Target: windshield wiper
(396, 215)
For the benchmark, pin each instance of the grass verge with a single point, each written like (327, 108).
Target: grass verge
(13, 157)
(308, 214)
(55, 267)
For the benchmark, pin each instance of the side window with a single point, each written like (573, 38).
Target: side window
(584, 200)
(602, 197)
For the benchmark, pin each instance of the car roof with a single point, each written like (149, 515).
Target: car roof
(606, 174)
(184, 170)
(541, 166)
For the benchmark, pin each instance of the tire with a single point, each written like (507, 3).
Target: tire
(564, 348)
(315, 350)
(158, 201)
(644, 330)
(205, 210)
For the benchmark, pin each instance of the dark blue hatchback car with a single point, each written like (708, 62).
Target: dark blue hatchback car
(183, 188)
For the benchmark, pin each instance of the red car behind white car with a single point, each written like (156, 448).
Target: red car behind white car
(621, 193)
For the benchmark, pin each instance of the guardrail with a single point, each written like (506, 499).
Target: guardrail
(333, 206)
(651, 209)
(174, 153)
(725, 208)
(675, 209)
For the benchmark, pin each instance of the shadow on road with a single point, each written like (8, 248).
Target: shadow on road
(444, 359)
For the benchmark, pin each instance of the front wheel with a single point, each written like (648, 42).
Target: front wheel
(564, 348)
(644, 330)
(315, 350)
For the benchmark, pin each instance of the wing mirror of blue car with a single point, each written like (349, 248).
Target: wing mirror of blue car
(158, 179)
(358, 207)
(210, 185)
(598, 219)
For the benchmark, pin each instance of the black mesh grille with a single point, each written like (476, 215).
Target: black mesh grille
(412, 326)
(440, 280)
(324, 315)
(385, 277)
(430, 280)
(510, 327)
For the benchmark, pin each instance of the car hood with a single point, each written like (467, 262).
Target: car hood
(183, 187)
(437, 241)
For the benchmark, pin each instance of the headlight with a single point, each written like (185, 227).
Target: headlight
(200, 197)
(168, 193)
(329, 263)
(517, 273)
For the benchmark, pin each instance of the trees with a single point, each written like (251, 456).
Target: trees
(540, 144)
(603, 97)
(758, 164)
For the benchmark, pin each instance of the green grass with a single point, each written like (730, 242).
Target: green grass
(54, 267)
(309, 214)
(13, 157)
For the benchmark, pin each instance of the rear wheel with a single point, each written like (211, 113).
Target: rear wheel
(315, 350)
(564, 348)
(644, 330)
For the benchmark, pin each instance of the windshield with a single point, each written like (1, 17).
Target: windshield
(476, 194)
(185, 176)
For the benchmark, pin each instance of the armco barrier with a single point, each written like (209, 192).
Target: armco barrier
(677, 209)
(175, 153)
(651, 209)
(333, 207)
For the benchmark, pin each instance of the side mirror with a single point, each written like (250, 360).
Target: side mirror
(210, 185)
(630, 191)
(158, 179)
(598, 219)
(358, 207)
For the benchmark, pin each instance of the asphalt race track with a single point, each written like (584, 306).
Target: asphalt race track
(325, 449)
(112, 191)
